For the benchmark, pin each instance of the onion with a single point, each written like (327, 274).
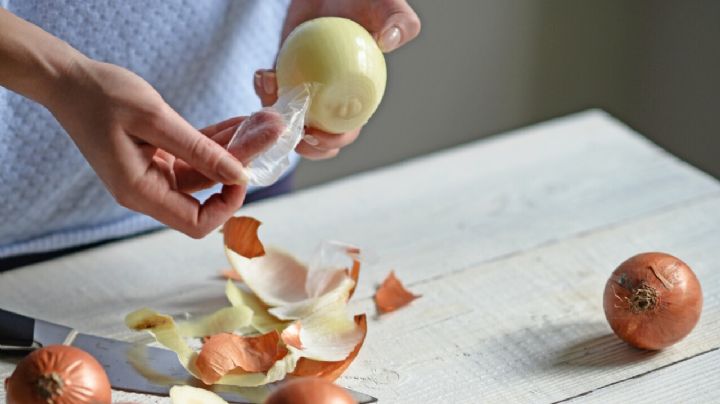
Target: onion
(392, 295)
(58, 374)
(310, 390)
(343, 66)
(652, 300)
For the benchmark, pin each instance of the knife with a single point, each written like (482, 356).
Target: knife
(18, 332)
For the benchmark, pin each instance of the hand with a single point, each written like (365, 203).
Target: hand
(150, 158)
(393, 23)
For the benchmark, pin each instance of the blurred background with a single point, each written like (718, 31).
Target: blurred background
(483, 67)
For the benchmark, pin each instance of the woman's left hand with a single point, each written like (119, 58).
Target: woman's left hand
(392, 23)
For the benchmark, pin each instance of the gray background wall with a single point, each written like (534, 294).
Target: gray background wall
(482, 67)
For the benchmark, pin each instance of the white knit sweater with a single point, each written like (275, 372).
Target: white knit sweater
(199, 54)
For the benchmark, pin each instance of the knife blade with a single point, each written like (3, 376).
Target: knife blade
(159, 371)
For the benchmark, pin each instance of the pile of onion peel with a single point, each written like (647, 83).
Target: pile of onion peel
(309, 390)
(58, 374)
(287, 318)
(652, 300)
(392, 295)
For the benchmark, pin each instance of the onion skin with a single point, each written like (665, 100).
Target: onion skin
(310, 390)
(652, 300)
(58, 374)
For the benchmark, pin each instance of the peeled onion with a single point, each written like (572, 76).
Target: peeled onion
(310, 390)
(652, 300)
(58, 374)
(343, 66)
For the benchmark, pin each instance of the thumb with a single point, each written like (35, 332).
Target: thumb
(400, 24)
(256, 134)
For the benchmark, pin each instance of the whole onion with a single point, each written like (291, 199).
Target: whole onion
(652, 300)
(58, 374)
(310, 390)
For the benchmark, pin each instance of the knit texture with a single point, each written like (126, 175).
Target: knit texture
(200, 55)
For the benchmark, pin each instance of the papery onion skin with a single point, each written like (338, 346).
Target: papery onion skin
(310, 390)
(652, 300)
(58, 374)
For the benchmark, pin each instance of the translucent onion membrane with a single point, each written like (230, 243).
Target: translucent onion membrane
(286, 318)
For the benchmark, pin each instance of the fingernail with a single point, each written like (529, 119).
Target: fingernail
(258, 81)
(232, 171)
(390, 39)
(311, 140)
(269, 83)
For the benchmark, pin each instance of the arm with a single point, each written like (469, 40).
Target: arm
(32, 62)
(148, 156)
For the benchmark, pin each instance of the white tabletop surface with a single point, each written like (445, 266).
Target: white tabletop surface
(510, 241)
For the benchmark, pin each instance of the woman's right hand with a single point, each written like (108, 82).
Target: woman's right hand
(147, 155)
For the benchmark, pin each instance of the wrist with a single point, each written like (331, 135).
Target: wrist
(58, 76)
(34, 62)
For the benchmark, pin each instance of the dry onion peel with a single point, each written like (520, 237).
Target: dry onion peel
(226, 352)
(323, 337)
(240, 235)
(293, 290)
(227, 319)
(230, 274)
(261, 320)
(193, 395)
(165, 331)
(392, 295)
(309, 306)
(278, 371)
(278, 280)
(326, 335)
(331, 370)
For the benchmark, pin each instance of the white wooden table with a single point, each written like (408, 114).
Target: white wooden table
(509, 240)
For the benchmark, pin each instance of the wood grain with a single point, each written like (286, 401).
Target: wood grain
(509, 241)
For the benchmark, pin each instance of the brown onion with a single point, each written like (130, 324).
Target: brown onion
(310, 390)
(652, 300)
(58, 374)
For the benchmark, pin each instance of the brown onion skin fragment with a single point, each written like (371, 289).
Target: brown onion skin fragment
(310, 390)
(652, 300)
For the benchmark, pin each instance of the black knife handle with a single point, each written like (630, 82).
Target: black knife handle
(16, 330)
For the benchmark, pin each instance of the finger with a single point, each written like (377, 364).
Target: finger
(312, 153)
(326, 141)
(188, 179)
(223, 137)
(265, 83)
(261, 131)
(172, 133)
(400, 24)
(212, 130)
(155, 197)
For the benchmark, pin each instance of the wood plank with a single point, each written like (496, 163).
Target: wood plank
(683, 382)
(433, 215)
(531, 328)
(441, 217)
